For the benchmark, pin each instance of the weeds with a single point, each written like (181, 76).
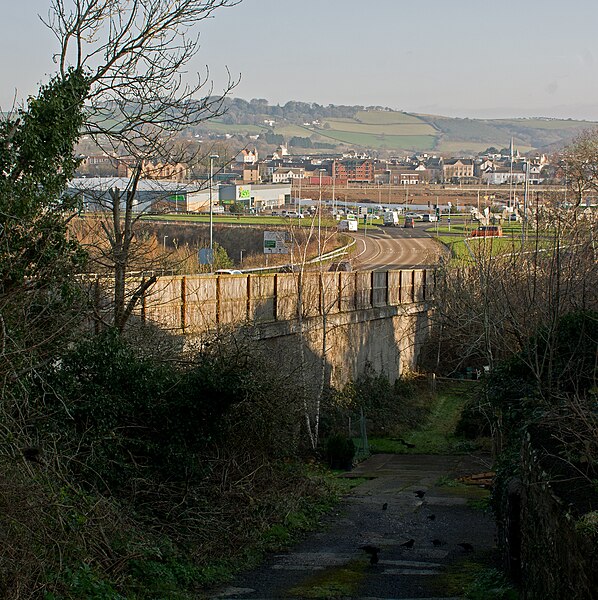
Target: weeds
(491, 584)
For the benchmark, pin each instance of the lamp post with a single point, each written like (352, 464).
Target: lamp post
(212, 157)
(320, 217)
(333, 187)
(525, 192)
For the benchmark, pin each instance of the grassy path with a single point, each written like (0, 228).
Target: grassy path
(436, 435)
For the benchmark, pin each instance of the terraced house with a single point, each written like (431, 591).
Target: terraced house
(457, 170)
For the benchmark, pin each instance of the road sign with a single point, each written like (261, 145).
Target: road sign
(206, 256)
(276, 242)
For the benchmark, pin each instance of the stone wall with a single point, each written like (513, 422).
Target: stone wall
(545, 549)
(342, 321)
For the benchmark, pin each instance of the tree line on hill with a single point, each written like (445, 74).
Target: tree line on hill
(239, 111)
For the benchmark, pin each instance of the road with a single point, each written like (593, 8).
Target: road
(396, 248)
(429, 547)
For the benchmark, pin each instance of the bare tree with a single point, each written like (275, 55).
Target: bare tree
(134, 54)
(580, 161)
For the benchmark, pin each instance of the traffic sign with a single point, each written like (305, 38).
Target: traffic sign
(206, 256)
(276, 242)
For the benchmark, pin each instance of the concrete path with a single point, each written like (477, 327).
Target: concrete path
(385, 512)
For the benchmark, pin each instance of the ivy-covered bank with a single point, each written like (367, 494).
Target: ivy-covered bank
(544, 407)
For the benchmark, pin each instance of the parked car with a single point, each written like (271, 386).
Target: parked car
(229, 272)
(487, 231)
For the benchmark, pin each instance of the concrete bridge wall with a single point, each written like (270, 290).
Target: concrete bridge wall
(342, 321)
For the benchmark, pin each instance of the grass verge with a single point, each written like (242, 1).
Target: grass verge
(436, 435)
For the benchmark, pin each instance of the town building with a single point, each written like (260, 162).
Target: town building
(353, 170)
(255, 197)
(458, 170)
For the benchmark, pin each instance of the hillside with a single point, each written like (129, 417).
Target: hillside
(334, 128)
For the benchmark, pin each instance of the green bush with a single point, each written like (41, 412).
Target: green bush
(126, 417)
(473, 422)
(389, 408)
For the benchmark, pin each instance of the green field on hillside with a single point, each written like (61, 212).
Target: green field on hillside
(292, 130)
(546, 123)
(392, 142)
(383, 128)
(394, 130)
(383, 117)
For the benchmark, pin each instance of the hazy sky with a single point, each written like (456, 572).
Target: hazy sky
(457, 58)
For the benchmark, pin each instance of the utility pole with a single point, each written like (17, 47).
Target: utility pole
(525, 192)
(212, 157)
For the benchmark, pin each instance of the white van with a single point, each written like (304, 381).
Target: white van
(391, 219)
(347, 225)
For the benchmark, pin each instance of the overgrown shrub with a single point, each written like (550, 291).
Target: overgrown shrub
(152, 470)
(129, 414)
(474, 421)
(388, 408)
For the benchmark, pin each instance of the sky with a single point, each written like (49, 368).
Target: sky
(457, 58)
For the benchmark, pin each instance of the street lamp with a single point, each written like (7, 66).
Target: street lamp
(333, 187)
(525, 192)
(212, 157)
(320, 216)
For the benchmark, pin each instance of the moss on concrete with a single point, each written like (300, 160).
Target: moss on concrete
(334, 582)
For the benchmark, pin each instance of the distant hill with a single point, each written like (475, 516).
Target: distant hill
(316, 127)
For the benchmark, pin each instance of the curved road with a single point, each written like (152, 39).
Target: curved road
(396, 248)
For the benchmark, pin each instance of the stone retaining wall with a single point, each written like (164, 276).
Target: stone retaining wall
(545, 549)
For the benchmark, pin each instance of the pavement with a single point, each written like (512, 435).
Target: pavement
(419, 556)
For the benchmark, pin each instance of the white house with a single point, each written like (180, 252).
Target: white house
(286, 175)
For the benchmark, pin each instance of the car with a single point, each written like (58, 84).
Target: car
(409, 222)
(430, 218)
(229, 272)
(487, 231)
(414, 215)
(295, 215)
